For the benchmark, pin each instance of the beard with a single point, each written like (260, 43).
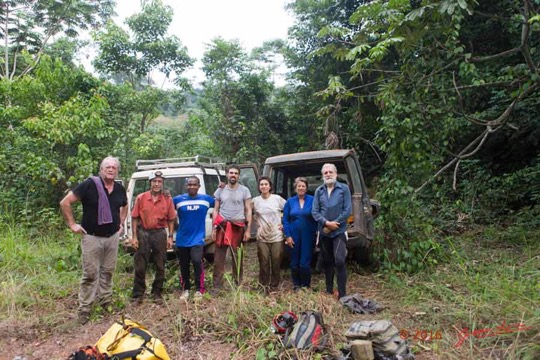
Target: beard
(232, 181)
(329, 181)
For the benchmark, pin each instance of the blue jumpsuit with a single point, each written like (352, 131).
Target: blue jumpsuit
(299, 224)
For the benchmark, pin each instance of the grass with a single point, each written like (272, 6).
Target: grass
(490, 276)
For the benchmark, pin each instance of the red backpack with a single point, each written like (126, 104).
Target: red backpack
(308, 332)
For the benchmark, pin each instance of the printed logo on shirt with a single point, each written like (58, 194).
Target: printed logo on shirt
(193, 204)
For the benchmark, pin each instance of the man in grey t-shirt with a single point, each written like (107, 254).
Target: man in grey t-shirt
(232, 221)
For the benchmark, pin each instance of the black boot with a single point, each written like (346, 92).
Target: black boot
(295, 275)
(305, 278)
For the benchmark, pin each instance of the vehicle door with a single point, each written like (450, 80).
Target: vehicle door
(362, 211)
(249, 177)
(135, 187)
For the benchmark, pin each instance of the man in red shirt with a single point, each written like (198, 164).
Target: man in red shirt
(153, 213)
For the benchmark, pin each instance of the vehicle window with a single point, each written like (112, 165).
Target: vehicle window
(280, 187)
(211, 183)
(356, 185)
(141, 186)
(284, 177)
(176, 185)
(249, 178)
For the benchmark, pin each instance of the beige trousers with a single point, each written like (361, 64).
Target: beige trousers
(99, 256)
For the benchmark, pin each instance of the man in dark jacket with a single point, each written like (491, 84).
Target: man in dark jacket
(331, 209)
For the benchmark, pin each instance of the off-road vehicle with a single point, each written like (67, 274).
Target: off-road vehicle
(176, 171)
(283, 169)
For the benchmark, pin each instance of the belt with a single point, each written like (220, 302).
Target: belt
(96, 235)
(153, 230)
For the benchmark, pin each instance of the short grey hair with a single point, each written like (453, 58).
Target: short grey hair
(300, 179)
(329, 165)
(107, 159)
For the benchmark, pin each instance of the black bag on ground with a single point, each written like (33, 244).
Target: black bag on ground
(358, 305)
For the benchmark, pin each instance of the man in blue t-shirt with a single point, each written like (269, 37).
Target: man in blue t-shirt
(191, 209)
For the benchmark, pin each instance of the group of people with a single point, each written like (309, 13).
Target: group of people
(301, 223)
(307, 221)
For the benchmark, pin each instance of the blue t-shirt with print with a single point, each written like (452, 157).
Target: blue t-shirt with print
(192, 218)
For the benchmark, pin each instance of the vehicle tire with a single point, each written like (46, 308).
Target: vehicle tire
(362, 255)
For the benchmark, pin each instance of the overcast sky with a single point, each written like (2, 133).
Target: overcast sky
(197, 22)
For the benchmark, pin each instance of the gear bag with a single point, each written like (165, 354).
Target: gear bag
(130, 340)
(382, 333)
(308, 332)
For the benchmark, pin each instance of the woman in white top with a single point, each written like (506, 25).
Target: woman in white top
(268, 208)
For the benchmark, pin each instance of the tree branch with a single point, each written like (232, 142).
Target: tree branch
(453, 161)
(504, 116)
(495, 56)
(525, 31)
(491, 127)
(6, 42)
(496, 83)
(37, 57)
(454, 182)
(451, 63)
(365, 85)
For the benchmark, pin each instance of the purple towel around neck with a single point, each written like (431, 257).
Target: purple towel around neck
(104, 209)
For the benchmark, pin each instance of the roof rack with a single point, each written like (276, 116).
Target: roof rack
(197, 160)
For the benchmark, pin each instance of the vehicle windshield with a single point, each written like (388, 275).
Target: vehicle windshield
(248, 178)
(283, 177)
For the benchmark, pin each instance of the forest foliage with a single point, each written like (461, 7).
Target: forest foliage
(440, 99)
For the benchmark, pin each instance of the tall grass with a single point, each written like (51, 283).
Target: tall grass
(490, 276)
(489, 280)
(36, 270)
(40, 272)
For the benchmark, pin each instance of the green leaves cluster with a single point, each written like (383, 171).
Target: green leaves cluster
(450, 80)
(145, 47)
(48, 124)
(240, 111)
(26, 27)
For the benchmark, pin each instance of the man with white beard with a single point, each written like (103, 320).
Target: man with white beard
(331, 209)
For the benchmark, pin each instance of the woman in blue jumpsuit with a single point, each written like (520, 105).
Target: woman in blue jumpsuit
(300, 227)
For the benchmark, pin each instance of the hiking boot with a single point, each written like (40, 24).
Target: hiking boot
(185, 295)
(137, 300)
(84, 317)
(197, 296)
(158, 298)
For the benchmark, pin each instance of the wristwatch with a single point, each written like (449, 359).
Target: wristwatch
(170, 235)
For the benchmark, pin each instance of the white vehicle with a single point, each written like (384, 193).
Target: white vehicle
(176, 171)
